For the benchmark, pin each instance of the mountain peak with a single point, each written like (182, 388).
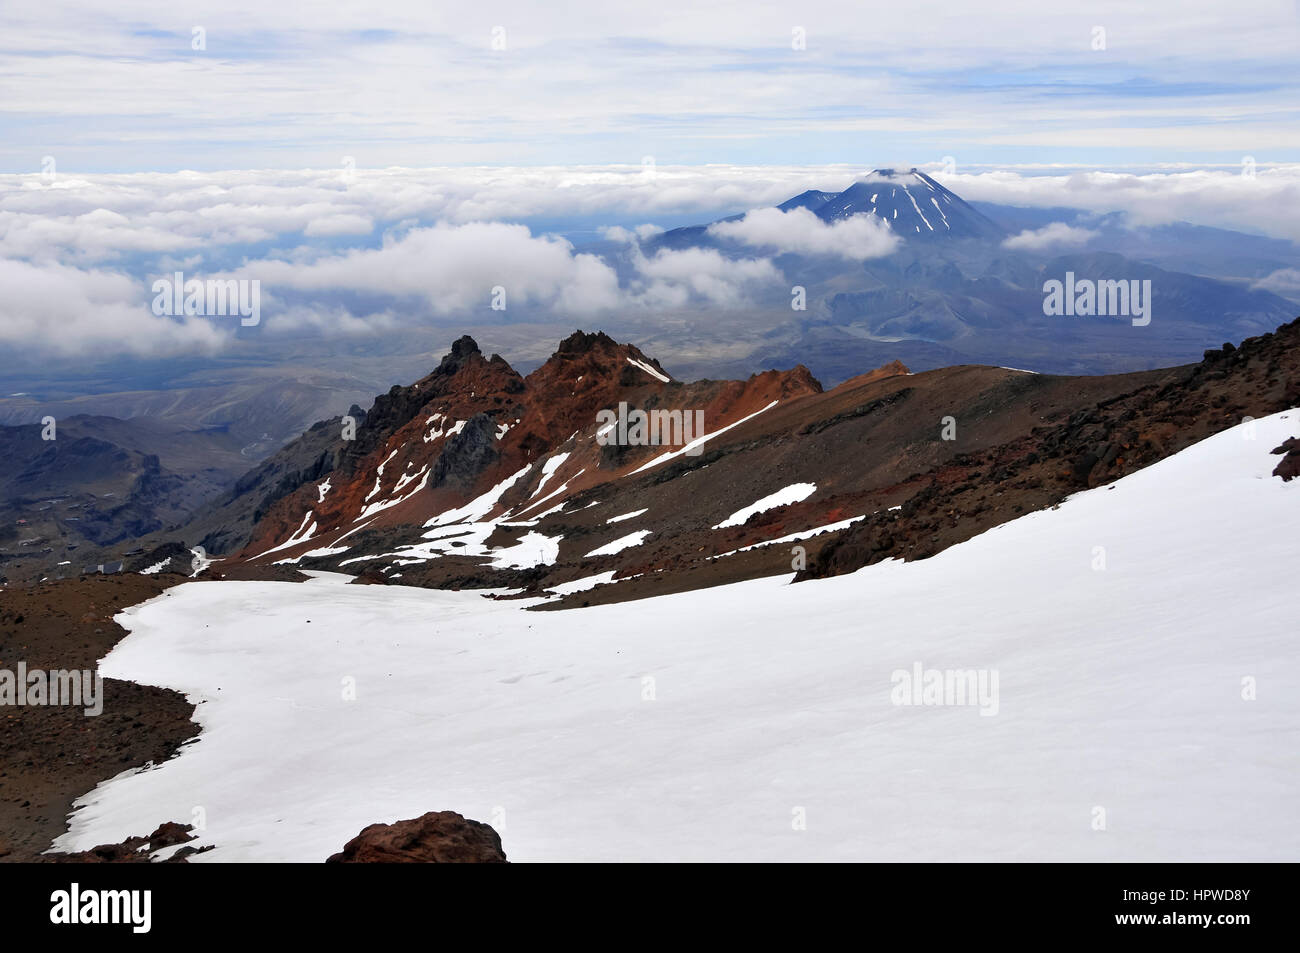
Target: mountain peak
(912, 204)
(462, 349)
(580, 342)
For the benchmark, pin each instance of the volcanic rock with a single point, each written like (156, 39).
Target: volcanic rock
(439, 837)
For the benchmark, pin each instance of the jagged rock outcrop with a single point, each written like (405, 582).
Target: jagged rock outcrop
(474, 422)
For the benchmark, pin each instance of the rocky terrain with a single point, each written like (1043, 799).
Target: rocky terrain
(478, 477)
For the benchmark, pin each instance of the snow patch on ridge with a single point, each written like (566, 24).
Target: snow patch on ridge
(648, 369)
(626, 516)
(698, 441)
(794, 537)
(793, 493)
(620, 544)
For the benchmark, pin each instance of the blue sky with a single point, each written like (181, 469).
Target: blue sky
(120, 88)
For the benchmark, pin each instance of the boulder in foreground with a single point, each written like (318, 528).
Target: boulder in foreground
(439, 837)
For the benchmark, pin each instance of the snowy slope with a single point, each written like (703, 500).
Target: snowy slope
(1120, 688)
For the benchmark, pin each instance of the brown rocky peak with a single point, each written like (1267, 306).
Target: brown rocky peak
(580, 342)
(591, 360)
(892, 369)
(462, 349)
(795, 382)
(465, 370)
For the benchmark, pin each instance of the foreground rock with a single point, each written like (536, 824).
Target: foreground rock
(1289, 468)
(439, 837)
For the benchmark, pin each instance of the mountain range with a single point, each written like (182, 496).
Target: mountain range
(477, 476)
(211, 457)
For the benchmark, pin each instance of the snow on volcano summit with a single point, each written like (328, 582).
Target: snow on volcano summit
(913, 204)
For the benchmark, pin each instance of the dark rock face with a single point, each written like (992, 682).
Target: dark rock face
(439, 837)
(177, 552)
(467, 454)
(461, 350)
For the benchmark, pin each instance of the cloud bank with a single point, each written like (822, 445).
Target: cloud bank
(343, 251)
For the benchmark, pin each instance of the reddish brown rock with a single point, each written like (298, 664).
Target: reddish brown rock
(439, 837)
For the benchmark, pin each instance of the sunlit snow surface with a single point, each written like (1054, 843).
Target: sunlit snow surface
(1120, 689)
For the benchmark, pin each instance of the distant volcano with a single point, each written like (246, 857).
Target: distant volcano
(914, 206)
(911, 203)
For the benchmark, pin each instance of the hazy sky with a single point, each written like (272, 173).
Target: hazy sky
(120, 87)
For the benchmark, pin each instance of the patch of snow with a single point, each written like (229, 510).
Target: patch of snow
(793, 493)
(300, 535)
(626, 516)
(795, 537)
(620, 544)
(438, 431)
(480, 506)
(549, 467)
(583, 584)
(532, 549)
(648, 369)
(556, 492)
(374, 508)
(699, 441)
(202, 561)
(323, 551)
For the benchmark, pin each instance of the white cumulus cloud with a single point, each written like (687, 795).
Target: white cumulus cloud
(801, 232)
(1053, 235)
